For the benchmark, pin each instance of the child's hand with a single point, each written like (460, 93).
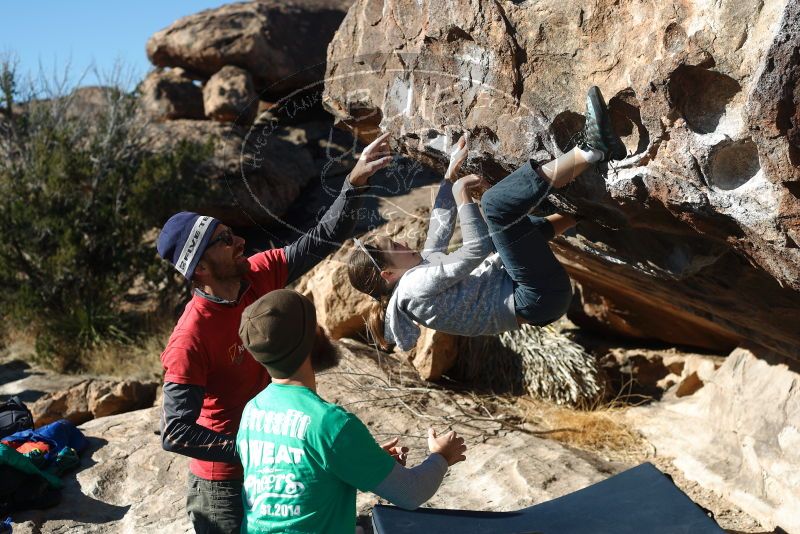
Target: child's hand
(458, 155)
(400, 454)
(450, 446)
(478, 185)
(462, 188)
(474, 183)
(469, 187)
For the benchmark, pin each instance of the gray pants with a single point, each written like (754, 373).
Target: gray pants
(214, 506)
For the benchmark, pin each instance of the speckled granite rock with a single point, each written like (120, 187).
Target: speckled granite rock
(281, 43)
(693, 238)
(738, 435)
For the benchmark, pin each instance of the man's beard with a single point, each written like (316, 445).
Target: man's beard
(227, 272)
(324, 355)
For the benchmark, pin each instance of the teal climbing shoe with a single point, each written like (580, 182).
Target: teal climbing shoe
(598, 132)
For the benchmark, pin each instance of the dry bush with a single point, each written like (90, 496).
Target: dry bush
(537, 361)
(140, 360)
(79, 188)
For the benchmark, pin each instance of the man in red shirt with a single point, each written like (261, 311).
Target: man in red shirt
(208, 374)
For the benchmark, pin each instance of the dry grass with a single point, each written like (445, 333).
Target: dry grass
(17, 346)
(585, 422)
(601, 430)
(138, 361)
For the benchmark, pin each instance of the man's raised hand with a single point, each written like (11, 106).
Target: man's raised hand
(374, 157)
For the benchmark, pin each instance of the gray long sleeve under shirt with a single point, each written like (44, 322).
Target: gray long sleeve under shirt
(463, 292)
(410, 488)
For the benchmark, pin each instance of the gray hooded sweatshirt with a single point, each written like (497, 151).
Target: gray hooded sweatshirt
(466, 292)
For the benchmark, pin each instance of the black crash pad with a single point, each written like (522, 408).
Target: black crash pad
(639, 500)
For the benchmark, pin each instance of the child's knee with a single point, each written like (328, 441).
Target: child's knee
(492, 205)
(541, 310)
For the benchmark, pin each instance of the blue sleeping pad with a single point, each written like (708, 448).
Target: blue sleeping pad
(639, 500)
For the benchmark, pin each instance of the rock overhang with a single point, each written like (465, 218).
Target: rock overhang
(699, 222)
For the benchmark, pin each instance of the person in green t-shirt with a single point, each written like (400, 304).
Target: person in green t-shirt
(304, 457)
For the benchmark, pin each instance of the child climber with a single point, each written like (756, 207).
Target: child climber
(464, 292)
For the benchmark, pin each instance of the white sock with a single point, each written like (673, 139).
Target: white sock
(591, 156)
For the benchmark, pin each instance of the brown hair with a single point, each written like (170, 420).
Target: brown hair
(366, 277)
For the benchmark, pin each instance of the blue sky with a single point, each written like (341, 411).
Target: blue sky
(86, 32)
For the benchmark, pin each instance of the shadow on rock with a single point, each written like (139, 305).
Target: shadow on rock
(13, 371)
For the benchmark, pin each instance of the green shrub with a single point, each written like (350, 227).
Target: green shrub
(79, 192)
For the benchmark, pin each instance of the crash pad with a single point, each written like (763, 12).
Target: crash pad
(641, 499)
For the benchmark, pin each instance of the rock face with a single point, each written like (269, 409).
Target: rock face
(744, 439)
(229, 96)
(281, 43)
(253, 176)
(170, 94)
(91, 399)
(693, 238)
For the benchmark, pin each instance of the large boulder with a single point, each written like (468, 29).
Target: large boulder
(229, 96)
(170, 94)
(281, 43)
(254, 174)
(93, 398)
(693, 238)
(739, 435)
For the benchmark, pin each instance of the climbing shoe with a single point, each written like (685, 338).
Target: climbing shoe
(598, 132)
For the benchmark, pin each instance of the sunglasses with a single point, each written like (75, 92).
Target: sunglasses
(225, 236)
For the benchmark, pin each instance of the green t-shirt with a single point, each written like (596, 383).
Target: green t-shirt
(303, 459)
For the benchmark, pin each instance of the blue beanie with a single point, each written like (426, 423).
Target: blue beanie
(184, 238)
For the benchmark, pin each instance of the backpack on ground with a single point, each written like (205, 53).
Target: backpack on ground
(14, 416)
